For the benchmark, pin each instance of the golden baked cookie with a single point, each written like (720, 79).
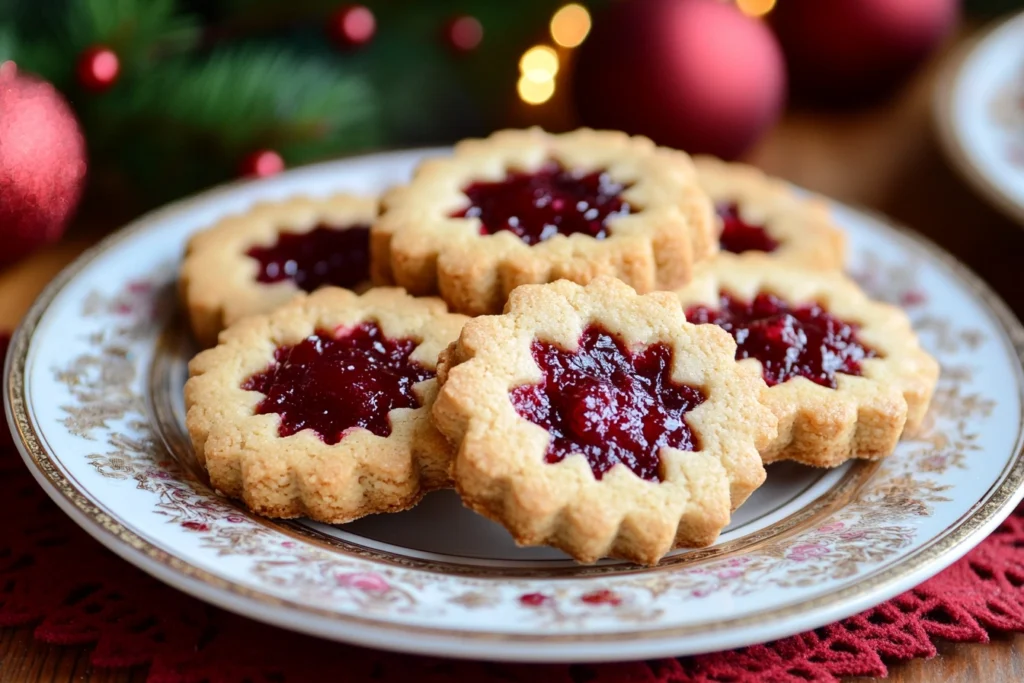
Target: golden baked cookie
(255, 261)
(846, 375)
(322, 408)
(599, 421)
(525, 206)
(762, 217)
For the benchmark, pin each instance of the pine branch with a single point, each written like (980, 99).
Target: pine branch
(138, 30)
(258, 97)
(200, 120)
(141, 32)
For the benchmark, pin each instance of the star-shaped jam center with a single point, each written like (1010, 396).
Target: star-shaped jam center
(326, 255)
(790, 341)
(550, 201)
(739, 236)
(332, 383)
(609, 404)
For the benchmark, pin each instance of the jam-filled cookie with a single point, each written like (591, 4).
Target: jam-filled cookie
(253, 262)
(599, 421)
(525, 206)
(762, 217)
(322, 408)
(846, 375)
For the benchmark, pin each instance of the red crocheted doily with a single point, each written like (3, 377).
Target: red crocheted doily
(53, 575)
(131, 619)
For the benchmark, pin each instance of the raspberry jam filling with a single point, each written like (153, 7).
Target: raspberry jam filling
(609, 404)
(739, 236)
(325, 255)
(804, 341)
(552, 201)
(333, 383)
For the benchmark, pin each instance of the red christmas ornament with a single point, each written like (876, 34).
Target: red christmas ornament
(463, 34)
(849, 51)
(262, 163)
(42, 163)
(697, 75)
(98, 68)
(352, 26)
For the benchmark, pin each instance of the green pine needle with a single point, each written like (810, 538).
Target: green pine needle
(253, 98)
(200, 119)
(138, 30)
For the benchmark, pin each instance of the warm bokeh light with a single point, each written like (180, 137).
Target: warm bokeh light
(535, 92)
(755, 8)
(571, 24)
(539, 63)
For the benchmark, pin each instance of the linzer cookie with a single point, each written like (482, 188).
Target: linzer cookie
(253, 262)
(846, 375)
(322, 408)
(524, 206)
(762, 217)
(599, 421)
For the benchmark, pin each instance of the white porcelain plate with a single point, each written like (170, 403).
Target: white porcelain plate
(93, 387)
(979, 109)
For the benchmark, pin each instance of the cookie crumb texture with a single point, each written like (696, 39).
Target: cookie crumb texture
(528, 207)
(322, 408)
(847, 376)
(598, 421)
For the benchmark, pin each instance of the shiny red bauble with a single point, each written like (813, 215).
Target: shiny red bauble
(856, 51)
(42, 163)
(697, 75)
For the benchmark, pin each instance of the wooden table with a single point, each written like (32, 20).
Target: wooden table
(885, 159)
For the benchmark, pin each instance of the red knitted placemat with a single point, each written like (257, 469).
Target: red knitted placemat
(77, 593)
(55, 576)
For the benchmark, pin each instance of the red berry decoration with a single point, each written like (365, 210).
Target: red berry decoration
(856, 51)
(602, 597)
(42, 163)
(534, 599)
(698, 75)
(262, 163)
(463, 34)
(98, 68)
(352, 26)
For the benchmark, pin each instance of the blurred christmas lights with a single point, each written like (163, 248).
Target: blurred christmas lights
(539, 63)
(571, 24)
(537, 69)
(755, 8)
(535, 92)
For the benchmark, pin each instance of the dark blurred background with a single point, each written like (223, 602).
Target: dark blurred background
(136, 102)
